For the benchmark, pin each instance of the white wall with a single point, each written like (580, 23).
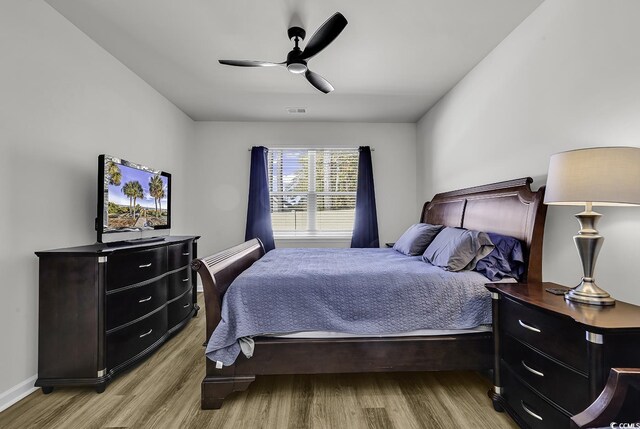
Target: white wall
(64, 100)
(220, 162)
(567, 77)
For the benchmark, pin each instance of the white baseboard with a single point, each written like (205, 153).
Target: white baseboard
(199, 288)
(17, 392)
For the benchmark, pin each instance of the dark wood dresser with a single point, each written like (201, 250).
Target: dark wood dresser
(102, 309)
(552, 357)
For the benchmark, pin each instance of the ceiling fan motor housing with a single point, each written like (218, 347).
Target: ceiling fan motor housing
(295, 64)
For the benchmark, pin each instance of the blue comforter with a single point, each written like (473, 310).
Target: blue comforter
(356, 291)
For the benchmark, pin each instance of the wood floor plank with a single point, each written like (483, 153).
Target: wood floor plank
(164, 392)
(335, 402)
(423, 402)
(397, 406)
(377, 418)
(281, 391)
(300, 415)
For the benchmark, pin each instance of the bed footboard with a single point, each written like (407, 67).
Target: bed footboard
(217, 272)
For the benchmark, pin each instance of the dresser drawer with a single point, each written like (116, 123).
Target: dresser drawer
(178, 283)
(124, 269)
(180, 309)
(560, 384)
(131, 304)
(179, 255)
(556, 336)
(127, 342)
(532, 409)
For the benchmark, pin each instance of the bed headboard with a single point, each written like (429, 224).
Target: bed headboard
(508, 208)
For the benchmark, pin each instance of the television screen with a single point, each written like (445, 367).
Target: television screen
(134, 197)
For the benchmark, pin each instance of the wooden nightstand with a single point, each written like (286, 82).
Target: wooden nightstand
(552, 357)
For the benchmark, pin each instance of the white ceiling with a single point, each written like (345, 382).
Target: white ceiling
(392, 62)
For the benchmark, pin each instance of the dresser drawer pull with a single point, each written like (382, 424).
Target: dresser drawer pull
(146, 333)
(186, 254)
(529, 327)
(145, 299)
(145, 265)
(185, 280)
(531, 413)
(186, 305)
(531, 370)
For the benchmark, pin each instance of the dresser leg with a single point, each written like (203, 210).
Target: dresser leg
(496, 400)
(101, 387)
(47, 389)
(497, 406)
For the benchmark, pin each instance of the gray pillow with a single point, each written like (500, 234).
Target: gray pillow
(456, 249)
(416, 239)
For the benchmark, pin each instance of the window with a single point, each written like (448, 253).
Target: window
(313, 191)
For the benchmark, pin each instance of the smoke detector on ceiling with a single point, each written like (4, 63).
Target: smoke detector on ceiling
(296, 110)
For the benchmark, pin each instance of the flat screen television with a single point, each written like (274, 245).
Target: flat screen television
(134, 201)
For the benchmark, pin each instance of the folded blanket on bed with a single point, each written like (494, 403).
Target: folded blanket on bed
(356, 291)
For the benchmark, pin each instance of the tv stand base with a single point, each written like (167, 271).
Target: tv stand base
(135, 241)
(144, 240)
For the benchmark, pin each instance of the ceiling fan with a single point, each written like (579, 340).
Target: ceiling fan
(297, 59)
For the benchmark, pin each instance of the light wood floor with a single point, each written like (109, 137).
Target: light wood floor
(164, 392)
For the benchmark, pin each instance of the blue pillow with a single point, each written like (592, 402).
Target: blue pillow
(416, 239)
(506, 259)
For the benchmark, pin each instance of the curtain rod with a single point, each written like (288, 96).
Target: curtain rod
(315, 148)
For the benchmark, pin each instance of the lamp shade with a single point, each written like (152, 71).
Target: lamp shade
(602, 176)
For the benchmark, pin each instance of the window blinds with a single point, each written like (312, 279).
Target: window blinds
(313, 190)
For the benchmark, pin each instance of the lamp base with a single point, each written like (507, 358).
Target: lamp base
(588, 292)
(588, 242)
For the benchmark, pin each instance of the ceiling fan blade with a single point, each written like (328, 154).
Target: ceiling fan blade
(318, 81)
(246, 63)
(326, 34)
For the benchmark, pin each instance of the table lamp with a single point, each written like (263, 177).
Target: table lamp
(601, 176)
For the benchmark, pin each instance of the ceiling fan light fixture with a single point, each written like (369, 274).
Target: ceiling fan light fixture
(297, 68)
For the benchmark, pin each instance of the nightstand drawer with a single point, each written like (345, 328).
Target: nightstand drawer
(556, 336)
(547, 376)
(532, 409)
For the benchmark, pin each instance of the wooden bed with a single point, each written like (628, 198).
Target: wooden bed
(508, 208)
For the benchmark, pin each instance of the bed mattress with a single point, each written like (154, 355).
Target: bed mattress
(416, 333)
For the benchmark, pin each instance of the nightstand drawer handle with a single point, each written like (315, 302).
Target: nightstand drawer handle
(531, 370)
(145, 299)
(186, 254)
(185, 280)
(146, 333)
(186, 305)
(145, 266)
(529, 327)
(531, 413)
